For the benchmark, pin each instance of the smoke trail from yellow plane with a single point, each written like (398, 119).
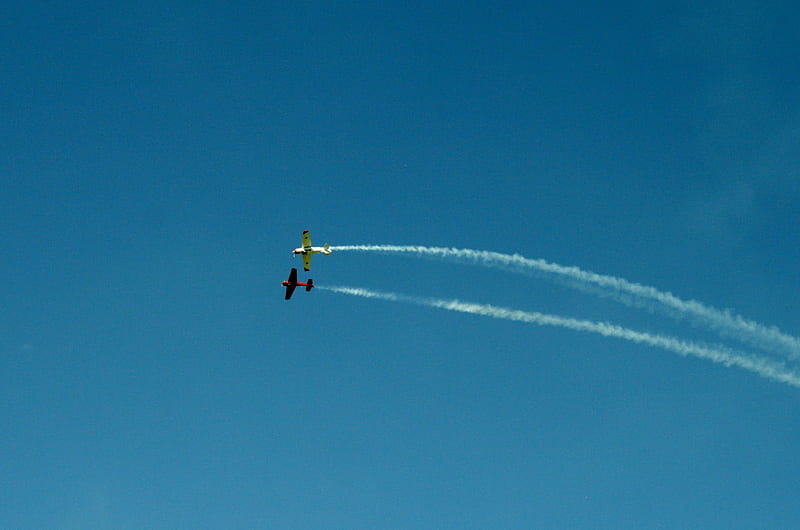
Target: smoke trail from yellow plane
(724, 322)
(767, 368)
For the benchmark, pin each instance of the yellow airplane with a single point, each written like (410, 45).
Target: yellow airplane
(307, 250)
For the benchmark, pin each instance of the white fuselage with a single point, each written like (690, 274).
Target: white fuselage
(310, 250)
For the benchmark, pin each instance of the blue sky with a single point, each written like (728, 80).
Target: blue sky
(160, 161)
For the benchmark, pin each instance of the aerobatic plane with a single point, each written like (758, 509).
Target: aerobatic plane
(307, 250)
(292, 283)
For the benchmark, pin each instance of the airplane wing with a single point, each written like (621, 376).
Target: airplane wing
(291, 283)
(290, 290)
(307, 262)
(306, 239)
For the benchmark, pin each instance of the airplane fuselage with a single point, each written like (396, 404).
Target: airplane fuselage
(310, 250)
(301, 284)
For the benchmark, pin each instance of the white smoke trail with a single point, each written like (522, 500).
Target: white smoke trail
(723, 322)
(767, 368)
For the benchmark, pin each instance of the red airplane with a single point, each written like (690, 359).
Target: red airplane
(292, 283)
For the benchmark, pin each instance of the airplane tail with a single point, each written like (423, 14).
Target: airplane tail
(326, 249)
(309, 284)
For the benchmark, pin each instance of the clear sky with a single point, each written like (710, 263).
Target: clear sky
(159, 161)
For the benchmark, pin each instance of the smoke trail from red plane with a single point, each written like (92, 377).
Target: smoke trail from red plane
(723, 322)
(767, 368)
